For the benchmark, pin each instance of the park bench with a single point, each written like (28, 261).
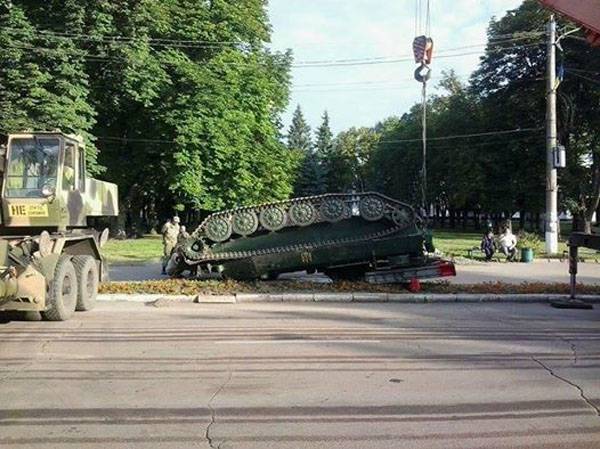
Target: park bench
(476, 253)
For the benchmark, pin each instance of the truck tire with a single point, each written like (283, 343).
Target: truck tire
(62, 292)
(86, 270)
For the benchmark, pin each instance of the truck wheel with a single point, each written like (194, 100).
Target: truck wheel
(87, 282)
(62, 292)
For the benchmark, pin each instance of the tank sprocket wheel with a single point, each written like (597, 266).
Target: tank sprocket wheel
(401, 217)
(218, 229)
(273, 218)
(333, 210)
(302, 214)
(244, 222)
(371, 208)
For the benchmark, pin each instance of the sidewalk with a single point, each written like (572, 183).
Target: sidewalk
(553, 271)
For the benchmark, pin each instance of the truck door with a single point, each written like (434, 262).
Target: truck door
(72, 184)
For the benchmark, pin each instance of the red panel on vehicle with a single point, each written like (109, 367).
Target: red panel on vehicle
(447, 269)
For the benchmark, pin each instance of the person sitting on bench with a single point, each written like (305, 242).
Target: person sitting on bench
(488, 245)
(508, 244)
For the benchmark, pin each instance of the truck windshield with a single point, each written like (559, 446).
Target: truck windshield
(32, 164)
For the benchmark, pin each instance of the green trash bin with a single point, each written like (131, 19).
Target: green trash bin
(526, 255)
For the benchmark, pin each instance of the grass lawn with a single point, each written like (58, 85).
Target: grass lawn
(457, 244)
(146, 249)
(451, 243)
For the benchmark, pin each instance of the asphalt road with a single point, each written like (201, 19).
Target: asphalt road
(303, 376)
(514, 273)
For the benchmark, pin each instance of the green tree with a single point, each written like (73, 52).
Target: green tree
(186, 95)
(43, 82)
(511, 82)
(311, 178)
(324, 138)
(350, 161)
(299, 137)
(323, 147)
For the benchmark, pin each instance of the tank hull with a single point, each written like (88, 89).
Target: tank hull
(344, 235)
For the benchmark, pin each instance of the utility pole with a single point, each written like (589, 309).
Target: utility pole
(551, 219)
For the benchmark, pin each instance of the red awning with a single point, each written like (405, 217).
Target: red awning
(584, 12)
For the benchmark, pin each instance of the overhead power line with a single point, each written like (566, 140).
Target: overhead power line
(435, 139)
(133, 140)
(402, 58)
(341, 63)
(301, 64)
(464, 136)
(200, 44)
(113, 38)
(578, 75)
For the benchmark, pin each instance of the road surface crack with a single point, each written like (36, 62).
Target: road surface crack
(573, 348)
(213, 412)
(568, 382)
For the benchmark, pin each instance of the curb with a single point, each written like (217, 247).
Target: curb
(356, 297)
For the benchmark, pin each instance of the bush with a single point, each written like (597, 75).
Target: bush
(529, 240)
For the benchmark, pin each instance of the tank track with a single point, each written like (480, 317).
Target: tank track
(224, 226)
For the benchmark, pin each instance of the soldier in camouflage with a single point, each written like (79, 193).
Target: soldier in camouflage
(170, 233)
(183, 235)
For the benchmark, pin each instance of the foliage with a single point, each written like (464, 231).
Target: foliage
(311, 178)
(43, 82)
(299, 138)
(529, 240)
(349, 163)
(324, 142)
(500, 173)
(185, 96)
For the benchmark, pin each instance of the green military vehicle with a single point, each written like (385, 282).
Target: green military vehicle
(50, 258)
(347, 236)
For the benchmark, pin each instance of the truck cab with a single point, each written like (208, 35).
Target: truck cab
(46, 185)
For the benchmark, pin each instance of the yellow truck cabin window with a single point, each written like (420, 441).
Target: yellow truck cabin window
(32, 166)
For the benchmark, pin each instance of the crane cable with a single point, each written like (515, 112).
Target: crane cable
(423, 51)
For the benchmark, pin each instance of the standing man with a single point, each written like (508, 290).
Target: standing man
(170, 232)
(183, 235)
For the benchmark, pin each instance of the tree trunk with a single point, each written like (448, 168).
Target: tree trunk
(578, 222)
(594, 198)
(522, 220)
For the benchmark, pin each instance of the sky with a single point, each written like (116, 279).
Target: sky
(374, 30)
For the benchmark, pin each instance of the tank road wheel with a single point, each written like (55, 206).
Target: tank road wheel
(273, 218)
(218, 229)
(303, 214)
(62, 292)
(401, 217)
(86, 270)
(333, 210)
(245, 223)
(371, 208)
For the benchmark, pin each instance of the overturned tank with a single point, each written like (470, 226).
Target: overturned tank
(346, 236)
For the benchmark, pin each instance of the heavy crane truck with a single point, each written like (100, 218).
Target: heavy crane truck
(50, 259)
